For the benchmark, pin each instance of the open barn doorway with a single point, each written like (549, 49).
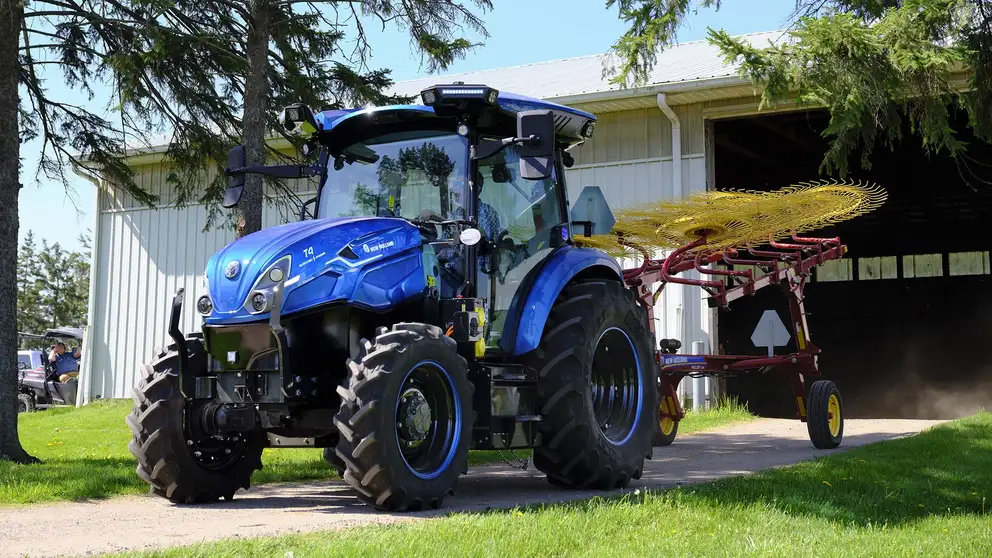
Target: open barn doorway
(904, 322)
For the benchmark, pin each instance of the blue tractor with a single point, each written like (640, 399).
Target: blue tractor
(433, 303)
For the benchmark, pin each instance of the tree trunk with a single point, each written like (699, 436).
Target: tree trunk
(256, 108)
(11, 12)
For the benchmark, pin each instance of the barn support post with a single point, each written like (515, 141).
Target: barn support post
(698, 387)
(716, 387)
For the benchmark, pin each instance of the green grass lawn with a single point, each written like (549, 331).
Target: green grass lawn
(85, 455)
(927, 495)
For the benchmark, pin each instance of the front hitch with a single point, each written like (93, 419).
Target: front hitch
(186, 387)
(221, 419)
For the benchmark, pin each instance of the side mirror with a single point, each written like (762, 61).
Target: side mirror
(536, 155)
(304, 214)
(236, 182)
(591, 213)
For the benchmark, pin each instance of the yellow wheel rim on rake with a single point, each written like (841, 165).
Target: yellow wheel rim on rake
(833, 414)
(732, 218)
(666, 424)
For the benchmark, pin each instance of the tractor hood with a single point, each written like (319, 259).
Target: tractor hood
(373, 262)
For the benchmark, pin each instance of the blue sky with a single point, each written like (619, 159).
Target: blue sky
(521, 32)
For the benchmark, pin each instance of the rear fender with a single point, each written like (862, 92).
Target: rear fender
(526, 320)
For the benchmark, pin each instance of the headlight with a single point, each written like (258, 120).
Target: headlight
(260, 296)
(258, 302)
(204, 305)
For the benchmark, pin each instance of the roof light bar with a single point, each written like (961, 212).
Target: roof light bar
(458, 92)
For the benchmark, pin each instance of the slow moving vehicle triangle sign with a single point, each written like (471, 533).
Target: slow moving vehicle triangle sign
(770, 332)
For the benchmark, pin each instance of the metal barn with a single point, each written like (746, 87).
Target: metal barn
(693, 127)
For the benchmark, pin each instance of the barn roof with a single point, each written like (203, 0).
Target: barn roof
(581, 79)
(688, 72)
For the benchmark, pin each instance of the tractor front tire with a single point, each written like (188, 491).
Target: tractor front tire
(25, 403)
(178, 462)
(406, 419)
(597, 387)
(332, 459)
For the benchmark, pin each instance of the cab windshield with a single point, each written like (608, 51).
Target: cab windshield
(412, 175)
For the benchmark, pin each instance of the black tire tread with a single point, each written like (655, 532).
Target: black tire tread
(28, 400)
(574, 453)
(361, 406)
(817, 421)
(332, 459)
(156, 427)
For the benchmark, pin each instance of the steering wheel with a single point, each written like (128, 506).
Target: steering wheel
(429, 215)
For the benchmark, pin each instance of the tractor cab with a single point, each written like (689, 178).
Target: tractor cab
(480, 172)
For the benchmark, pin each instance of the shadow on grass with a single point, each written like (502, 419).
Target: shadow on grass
(87, 478)
(941, 471)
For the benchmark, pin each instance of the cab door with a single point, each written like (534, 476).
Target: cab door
(525, 220)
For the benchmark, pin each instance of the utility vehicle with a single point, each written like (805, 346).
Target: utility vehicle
(39, 385)
(433, 303)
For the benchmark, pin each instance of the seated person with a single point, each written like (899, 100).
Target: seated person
(66, 365)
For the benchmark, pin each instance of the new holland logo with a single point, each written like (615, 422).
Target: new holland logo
(376, 247)
(232, 269)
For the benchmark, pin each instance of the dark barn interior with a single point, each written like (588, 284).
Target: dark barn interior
(906, 332)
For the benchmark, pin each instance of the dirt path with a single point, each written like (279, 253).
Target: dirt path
(142, 522)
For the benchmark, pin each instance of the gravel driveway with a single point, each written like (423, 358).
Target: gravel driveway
(142, 522)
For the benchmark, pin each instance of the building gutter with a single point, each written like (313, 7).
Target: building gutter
(671, 87)
(677, 186)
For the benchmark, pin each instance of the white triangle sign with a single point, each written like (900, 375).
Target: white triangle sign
(770, 332)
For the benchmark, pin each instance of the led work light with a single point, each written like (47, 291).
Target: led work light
(299, 118)
(448, 94)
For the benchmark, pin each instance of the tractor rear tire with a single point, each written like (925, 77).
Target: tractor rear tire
(393, 458)
(165, 447)
(25, 403)
(825, 415)
(595, 335)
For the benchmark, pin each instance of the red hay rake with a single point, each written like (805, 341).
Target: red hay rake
(787, 265)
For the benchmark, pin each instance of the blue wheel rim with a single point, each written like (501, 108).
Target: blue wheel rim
(428, 454)
(617, 386)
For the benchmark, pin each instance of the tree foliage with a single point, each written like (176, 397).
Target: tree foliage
(873, 64)
(52, 285)
(30, 317)
(653, 26)
(179, 68)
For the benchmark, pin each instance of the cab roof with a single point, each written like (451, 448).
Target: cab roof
(569, 122)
